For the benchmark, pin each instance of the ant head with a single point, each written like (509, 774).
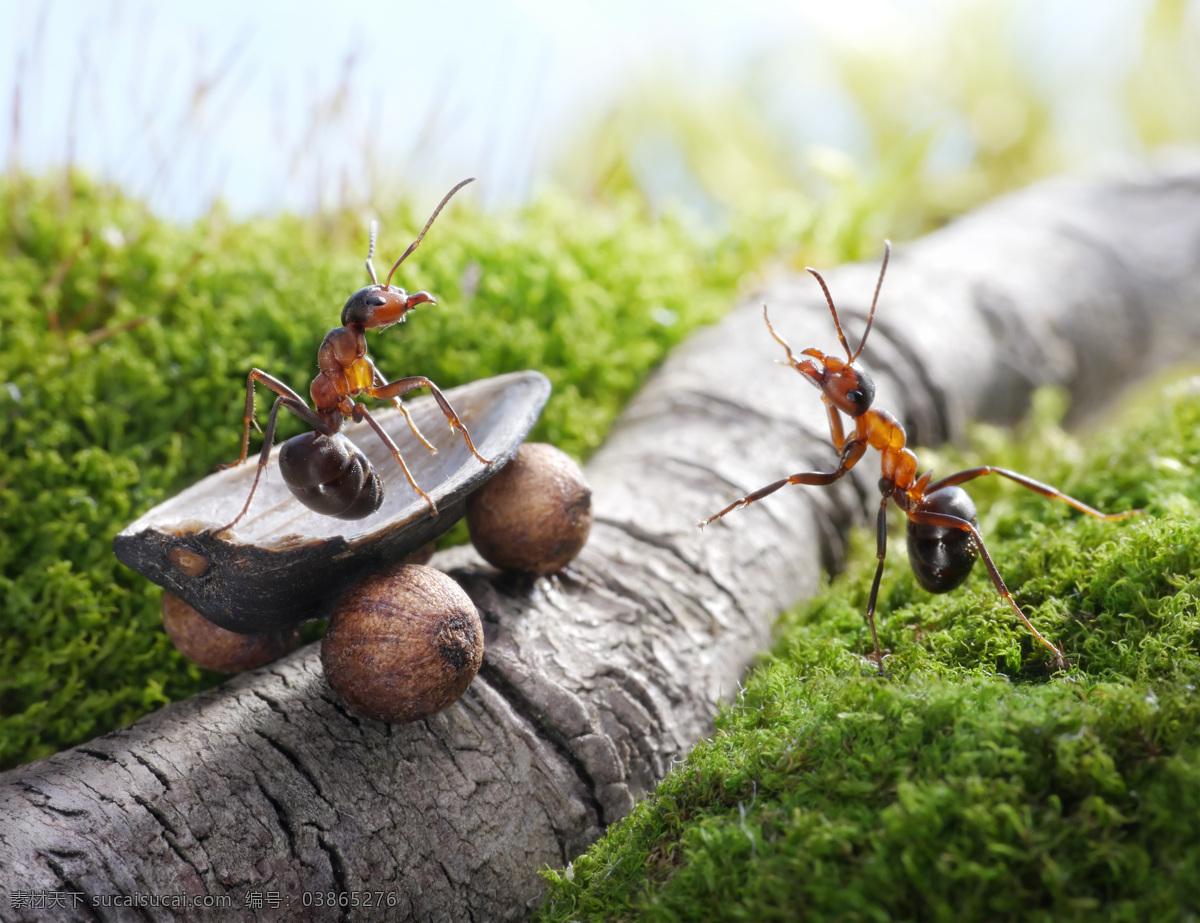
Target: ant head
(378, 306)
(850, 390)
(847, 388)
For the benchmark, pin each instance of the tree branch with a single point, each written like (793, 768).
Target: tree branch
(596, 680)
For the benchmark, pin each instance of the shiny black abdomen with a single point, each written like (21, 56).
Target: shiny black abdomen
(330, 475)
(942, 556)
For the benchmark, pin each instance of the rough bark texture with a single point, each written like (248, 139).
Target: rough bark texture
(596, 680)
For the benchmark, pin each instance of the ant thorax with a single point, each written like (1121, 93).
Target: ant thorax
(345, 370)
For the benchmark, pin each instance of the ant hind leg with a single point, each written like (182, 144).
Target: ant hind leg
(296, 405)
(1029, 483)
(361, 413)
(926, 517)
(264, 455)
(881, 554)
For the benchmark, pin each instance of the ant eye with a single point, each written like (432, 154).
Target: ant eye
(854, 397)
(377, 301)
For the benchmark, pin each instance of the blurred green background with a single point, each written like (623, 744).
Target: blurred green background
(182, 201)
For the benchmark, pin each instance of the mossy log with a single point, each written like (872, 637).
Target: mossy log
(595, 680)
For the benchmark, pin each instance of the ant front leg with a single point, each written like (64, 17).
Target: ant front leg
(297, 406)
(1036, 486)
(836, 433)
(403, 385)
(926, 517)
(851, 453)
(361, 413)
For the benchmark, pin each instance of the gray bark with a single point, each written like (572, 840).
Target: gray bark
(594, 681)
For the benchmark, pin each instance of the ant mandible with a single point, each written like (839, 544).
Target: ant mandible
(943, 529)
(323, 469)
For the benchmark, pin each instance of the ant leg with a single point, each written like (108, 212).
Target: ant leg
(851, 453)
(412, 425)
(925, 517)
(810, 368)
(880, 553)
(380, 381)
(300, 409)
(792, 360)
(361, 413)
(836, 433)
(404, 385)
(283, 391)
(1037, 486)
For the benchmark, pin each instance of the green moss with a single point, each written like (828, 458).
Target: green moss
(969, 783)
(126, 342)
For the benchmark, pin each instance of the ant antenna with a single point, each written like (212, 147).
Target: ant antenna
(887, 252)
(371, 253)
(413, 246)
(780, 340)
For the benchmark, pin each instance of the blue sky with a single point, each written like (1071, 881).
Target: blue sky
(275, 105)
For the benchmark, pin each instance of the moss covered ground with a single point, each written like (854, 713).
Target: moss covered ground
(124, 347)
(969, 783)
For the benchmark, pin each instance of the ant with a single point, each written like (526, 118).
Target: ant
(323, 469)
(943, 529)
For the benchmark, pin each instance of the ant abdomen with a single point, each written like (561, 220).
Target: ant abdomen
(942, 556)
(330, 475)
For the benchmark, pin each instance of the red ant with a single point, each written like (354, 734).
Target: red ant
(943, 529)
(323, 469)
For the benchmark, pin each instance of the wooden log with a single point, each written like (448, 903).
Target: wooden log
(267, 790)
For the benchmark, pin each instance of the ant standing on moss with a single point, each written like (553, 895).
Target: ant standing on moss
(943, 529)
(323, 469)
